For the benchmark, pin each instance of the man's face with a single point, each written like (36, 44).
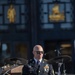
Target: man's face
(38, 52)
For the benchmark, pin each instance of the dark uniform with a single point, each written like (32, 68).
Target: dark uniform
(33, 69)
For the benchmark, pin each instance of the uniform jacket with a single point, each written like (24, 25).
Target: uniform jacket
(33, 69)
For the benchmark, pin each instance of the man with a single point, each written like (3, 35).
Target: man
(37, 68)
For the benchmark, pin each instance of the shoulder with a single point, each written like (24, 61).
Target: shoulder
(45, 60)
(31, 61)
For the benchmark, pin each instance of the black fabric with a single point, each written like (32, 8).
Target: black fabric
(38, 62)
(33, 69)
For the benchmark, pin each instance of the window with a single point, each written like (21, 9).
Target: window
(21, 17)
(65, 8)
(4, 52)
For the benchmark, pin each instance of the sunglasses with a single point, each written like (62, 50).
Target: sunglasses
(39, 52)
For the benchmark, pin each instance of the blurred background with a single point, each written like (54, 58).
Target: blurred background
(50, 23)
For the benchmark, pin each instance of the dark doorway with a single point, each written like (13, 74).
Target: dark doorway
(21, 50)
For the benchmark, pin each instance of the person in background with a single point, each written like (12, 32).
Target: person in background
(38, 65)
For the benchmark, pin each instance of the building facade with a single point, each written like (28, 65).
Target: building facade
(25, 23)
